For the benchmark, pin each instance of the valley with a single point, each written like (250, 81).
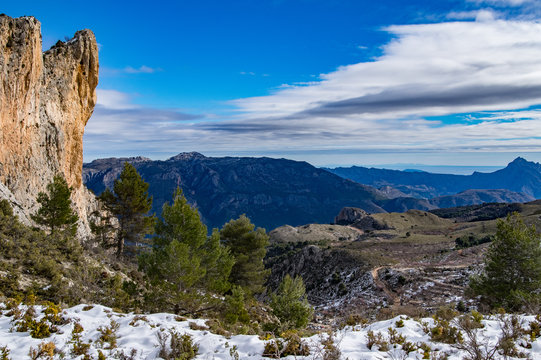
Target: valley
(412, 265)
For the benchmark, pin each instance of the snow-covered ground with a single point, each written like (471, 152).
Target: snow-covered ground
(140, 333)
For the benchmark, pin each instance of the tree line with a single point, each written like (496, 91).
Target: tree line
(185, 270)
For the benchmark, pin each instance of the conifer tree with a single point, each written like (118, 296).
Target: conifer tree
(130, 203)
(185, 265)
(290, 305)
(55, 211)
(512, 273)
(248, 246)
(102, 222)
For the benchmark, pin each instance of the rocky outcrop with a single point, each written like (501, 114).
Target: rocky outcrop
(359, 219)
(46, 99)
(349, 215)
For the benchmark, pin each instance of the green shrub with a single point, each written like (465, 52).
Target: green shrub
(52, 313)
(289, 304)
(355, 319)
(409, 347)
(40, 329)
(235, 306)
(444, 332)
(467, 241)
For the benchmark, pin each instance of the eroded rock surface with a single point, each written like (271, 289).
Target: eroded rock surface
(46, 99)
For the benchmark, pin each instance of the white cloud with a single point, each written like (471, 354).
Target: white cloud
(380, 106)
(481, 15)
(113, 99)
(430, 66)
(143, 69)
(503, 2)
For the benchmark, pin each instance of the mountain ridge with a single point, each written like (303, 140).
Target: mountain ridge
(520, 176)
(271, 192)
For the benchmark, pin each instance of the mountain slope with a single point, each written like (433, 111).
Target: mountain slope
(272, 192)
(474, 196)
(519, 176)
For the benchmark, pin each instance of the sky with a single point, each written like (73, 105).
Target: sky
(452, 83)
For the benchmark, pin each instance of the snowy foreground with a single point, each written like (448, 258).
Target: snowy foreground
(140, 333)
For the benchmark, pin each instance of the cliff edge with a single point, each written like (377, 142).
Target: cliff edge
(46, 99)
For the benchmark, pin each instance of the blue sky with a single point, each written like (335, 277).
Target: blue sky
(449, 82)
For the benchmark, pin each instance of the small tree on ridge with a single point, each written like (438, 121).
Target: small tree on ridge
(55, 211)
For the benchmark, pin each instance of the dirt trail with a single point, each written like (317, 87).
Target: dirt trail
(354, 228)
(391, 296)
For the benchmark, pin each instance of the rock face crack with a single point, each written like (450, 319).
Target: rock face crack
(46, 99)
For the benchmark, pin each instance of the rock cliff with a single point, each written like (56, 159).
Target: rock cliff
(46, 99)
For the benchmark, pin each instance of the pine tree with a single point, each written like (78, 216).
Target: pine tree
(130, 203)
(102, 222)
(248, 246)
(512, 272)
(185, 266)
(55, 211)
(290, 305)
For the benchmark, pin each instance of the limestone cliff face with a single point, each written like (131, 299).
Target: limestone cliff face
(46, 99)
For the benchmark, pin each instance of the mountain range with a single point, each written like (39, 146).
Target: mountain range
(274, 192)
(271, 192)
(520, 176)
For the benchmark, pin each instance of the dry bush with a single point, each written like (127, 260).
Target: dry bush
(181, 347)
(108, 334)
(290, 344)
(44, 351)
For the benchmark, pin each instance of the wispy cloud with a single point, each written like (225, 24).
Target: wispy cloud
(513, 9)
(143, 69)
(251, 73)
(119, 126)
(477, 15)
(503, 2)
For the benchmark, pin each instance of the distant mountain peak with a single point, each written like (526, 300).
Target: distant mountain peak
(183, 156)
(519, 160)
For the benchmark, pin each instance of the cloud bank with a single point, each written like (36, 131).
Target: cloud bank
(400, 101)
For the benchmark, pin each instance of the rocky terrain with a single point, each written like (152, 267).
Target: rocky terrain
(45, 102)
(520, 176)
(411, 264)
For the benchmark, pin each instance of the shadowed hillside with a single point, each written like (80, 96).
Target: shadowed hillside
(271, 192)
